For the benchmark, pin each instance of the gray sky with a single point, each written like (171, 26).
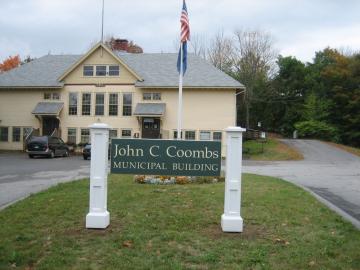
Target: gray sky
(299, 28)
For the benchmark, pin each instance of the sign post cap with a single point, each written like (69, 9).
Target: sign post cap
(235, 129)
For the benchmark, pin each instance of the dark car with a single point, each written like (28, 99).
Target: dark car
(87, 151)
(48, 146)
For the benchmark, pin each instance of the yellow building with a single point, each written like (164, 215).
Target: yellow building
(136, 94)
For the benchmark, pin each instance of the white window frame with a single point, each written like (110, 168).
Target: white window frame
(202, 132)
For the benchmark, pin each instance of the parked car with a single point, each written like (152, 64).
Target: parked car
(87, 151)
(47, 146)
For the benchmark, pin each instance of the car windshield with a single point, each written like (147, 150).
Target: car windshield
(39, 139)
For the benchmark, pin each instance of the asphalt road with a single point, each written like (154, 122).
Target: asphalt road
(328, 172)
(21, 176)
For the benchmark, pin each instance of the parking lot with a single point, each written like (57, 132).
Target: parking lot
(21, 176)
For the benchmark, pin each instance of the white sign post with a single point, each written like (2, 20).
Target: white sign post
(231, 221)
(98, 216)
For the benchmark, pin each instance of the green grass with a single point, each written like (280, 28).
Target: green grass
(176, 227)
(271, 149)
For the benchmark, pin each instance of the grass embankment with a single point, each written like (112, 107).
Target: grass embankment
(271, 149)
(352, 150)
(176, 227)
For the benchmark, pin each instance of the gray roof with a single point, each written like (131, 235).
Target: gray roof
(150, 109)
(42, 72)
(48, 108)
(159, 70)
(156, 70)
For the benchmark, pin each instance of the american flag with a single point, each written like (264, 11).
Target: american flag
(184, 20)
(184, 37)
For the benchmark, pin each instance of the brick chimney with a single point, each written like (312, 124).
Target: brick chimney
(120, 45)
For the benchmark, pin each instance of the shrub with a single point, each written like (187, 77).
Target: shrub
(181, 180)
(316, 129)
(140, 179)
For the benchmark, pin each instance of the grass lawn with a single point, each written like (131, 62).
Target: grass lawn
(271, 149)
(352, 150)
(176, 227)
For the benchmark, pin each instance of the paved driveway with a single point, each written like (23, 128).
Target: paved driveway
(21, 176)
(327, 171)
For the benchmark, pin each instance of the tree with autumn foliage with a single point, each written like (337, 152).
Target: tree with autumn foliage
(10, 63)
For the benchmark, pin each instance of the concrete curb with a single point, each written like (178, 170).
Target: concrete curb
(330, 205)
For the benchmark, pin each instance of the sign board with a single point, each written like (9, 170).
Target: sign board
(166, 157)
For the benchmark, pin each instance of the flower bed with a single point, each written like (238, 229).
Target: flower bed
(180, 180)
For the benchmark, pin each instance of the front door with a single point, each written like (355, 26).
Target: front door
(151, 128)
(49, 124)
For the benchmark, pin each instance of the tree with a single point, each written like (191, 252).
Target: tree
(253, 64)
(198, 45)
(286, 98)
(221, 52)
(10, 63)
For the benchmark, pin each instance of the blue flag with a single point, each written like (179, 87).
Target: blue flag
(184, 59)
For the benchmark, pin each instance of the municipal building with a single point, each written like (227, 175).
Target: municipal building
(136, 94)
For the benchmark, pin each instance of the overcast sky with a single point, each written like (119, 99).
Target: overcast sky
(299, 27)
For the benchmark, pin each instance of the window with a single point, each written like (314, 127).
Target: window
(113, 104)
(146, 96)
(56, 96)
(16, 134)
(153, 96)
(114, 70)
(205, 135)
(73, 100)
(156, 96)
(99, 103)
(112, 133)
(190, 135)
(100, 70)
(217, 136)
(88, 71)
(71, 138)
(27, 131)
(86, 104)
(85, 135)
(127, 104)
(175, 134)
(4, 134)
(126, 133)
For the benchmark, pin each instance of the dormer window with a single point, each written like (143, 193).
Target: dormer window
(114, 70)
(100, 70)
(88, 71)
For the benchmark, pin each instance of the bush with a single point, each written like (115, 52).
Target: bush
(317, 130)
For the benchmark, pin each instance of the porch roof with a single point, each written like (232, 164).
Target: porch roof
(48, 108)
(149, 109)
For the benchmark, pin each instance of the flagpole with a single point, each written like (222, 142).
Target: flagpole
(102, 23)
(179, 124)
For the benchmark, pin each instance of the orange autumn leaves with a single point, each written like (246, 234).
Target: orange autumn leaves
(10, 63)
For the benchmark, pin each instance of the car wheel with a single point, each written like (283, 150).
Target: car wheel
(66, 154)
(85, 157)
(52, 154)
(31, 156)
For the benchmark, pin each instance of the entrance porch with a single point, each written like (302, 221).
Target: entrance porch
(149, 116)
